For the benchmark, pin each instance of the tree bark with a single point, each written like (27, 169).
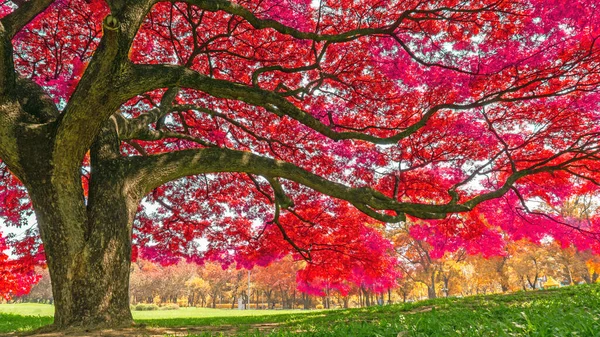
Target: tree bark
(87, 241)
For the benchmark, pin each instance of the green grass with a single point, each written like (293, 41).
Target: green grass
(204, 312)
(35, 309)
(27, 309)
(30, 316)
(570, 311)
(11, 322)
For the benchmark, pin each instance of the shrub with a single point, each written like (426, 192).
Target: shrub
(319, 306)
(171, 306)
(146, 307)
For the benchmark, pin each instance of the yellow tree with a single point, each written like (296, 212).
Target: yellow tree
(529, 262)
(218, 279)
(418, 265)
(199, 290)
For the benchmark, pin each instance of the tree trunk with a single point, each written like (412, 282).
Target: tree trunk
(306, 299)
(431, 293)
(446, 285)
(360, 298)
(90, 286)
(87, 241)
(504, 280)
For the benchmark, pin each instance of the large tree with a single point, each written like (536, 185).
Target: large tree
(260, 128)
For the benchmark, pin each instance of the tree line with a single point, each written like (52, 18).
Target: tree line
(525, 266)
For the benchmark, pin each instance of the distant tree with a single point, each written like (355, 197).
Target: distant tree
(424, 264)
(199, 290)
(486, 275)
(17, 277)
(219, 280)
(529, 262)
(41, 292)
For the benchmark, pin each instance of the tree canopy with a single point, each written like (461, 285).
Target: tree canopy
(245, 131)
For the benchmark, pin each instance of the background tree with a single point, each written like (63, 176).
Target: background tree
(529, 263)
(143, 281)
(199, 289)
(258, 129)
(485, 275)
(422, 263)
(41, 292)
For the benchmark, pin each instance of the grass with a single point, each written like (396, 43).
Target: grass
(30, 316)
(27, 309)
(571, 311)
(203, 313)
(35, 309)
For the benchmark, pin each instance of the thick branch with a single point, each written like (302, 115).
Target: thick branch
(235, 9)
(148, 77)
(138, 128)
(18, 19)
(150, 172)
(7, 67)
(147, 173)
(97, 95)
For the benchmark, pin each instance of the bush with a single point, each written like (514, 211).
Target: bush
(319, 306)
(146, 307)
(171, 306)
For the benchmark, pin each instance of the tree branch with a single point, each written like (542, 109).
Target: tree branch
(149, 77)
(15, 21)
(97, 95)
(235, 9)
(147, 173)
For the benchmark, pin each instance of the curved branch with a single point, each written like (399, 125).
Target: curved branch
(147, 173)
(235, 9)
(149, 77)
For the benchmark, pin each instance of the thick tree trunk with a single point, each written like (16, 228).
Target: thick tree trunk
(87, 241)
(90, 271)
(96, 297)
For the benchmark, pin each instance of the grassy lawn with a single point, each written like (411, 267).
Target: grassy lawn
(570, 311)
(204, 312)
(27, 309)
(34, 309)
